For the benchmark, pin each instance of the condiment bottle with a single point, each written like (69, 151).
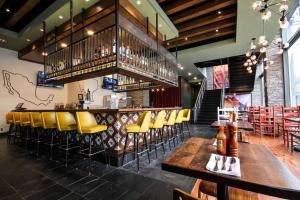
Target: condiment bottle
(233, 149)
(221, 142)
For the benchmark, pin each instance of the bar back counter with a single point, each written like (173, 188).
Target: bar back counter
(116, 121)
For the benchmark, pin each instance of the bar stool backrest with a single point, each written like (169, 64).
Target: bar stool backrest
(187, 114)
(179, 117)
(178, 194)
(36, 119)
(85, 119)
(160, 118)
(24, 118)
(9, 117)
(65, 120)
(16, 117)
(49, 120)
(172, 118)
(144, 121)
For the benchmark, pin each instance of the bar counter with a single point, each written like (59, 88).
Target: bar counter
(116, 121)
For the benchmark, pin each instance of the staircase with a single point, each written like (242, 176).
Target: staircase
(208, 111)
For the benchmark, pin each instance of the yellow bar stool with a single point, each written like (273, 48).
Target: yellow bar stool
(156, 127)
(185, 121)
(10, 121)
(36, 124)
(25, 126)
(16, 119)
(66, 124)
(49, 125)
(169, 124)
(87, 126)
(141, 127)
(178, 125)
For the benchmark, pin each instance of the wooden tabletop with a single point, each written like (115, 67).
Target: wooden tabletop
(261, 171)
(241, 125)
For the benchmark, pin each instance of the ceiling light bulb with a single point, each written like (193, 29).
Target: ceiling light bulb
(263, 50)
(266, 15)
(248, 60)
(283, 23)
(217, 30)
(271, 62)
(28, 40)
(87, 0)
(253, 57)
(245, 64)
(186, 38)
(257, 5)
(90, 32)
(44, 54)
(250, 64)
(181, 68)
(261, 39)
(248, 53)
(138, 2)
(219, 12)
(278, 40)
(42, 30)
(250, 72)
(195, 78)
(60, 17)
(190, 74)
(286, 45)
(248, 68)
(253, 46)
(63, 45)
(7, 10)
(266, 67)
(254, 62)
(280, 51)
(283, 7)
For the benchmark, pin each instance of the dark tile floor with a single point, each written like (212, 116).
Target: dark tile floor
(23, 176)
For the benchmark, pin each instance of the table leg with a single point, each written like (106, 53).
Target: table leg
(222, 192)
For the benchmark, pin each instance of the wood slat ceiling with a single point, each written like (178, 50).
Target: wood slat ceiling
(22, 12)
(200, 21)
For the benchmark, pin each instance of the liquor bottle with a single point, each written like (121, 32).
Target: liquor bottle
(221, 142)
(233, 149)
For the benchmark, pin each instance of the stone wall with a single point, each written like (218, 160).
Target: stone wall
(257, 91)
(275, 79)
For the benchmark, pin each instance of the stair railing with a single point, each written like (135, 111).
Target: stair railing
(199, 99)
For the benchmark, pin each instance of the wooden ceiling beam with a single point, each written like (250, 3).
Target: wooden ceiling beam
(1, 3)
(202, 9)
(204, 29)
(206, 36)
(30, 4)
(206, 20)
(177, 6)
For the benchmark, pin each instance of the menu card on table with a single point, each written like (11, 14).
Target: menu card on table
(224, 165)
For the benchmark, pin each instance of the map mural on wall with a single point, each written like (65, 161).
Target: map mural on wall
(15, 84)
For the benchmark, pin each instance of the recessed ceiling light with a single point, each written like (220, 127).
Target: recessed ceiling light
(190, 74)
(138, 2)
(199, 83)
(90, 32)
(60, 17)
(181, 68)
(217, 30)
(87, 0)
(42, 30)
(28, 40)
(186, 38)
(219, 12)
(63, 45)
(195, 78)
(7, 10)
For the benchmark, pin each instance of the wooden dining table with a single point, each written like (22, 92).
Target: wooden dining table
(244, 125)
(261, 171)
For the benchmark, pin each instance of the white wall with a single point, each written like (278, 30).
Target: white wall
(15, 85)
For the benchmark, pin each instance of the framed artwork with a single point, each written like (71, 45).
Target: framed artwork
(80, 97)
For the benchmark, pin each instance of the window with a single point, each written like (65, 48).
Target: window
(294, 64)
(294, 24)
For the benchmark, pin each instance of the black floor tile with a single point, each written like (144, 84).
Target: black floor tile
(106, 191)
(53, 192)
(72, 196)
(129, 180)
(86, 184)
(5, 189)
(158, 191)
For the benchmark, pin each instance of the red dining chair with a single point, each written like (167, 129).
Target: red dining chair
(289, 126)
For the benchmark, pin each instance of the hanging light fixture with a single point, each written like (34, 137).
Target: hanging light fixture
(265, 7)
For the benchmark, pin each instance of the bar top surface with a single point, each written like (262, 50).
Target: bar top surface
(122, 110)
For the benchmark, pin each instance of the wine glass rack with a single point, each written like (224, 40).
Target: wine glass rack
(116, 48)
